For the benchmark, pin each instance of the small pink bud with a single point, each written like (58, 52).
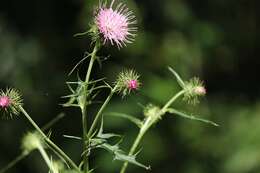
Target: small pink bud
(4, 101)
(133, 84)
(200, 90)
(127, 81)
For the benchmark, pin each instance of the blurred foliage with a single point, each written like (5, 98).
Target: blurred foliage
(214, 40)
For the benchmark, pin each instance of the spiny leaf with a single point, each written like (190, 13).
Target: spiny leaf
(72, 137)
(184, 115)
(81, 33)
(83, 59)
(105, 135)
(131, 118)
(130, 159)
(101, 141)
(70, 105)
(95, 81)
(119, 154)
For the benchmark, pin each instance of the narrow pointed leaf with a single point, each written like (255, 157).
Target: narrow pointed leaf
(72, 137)
(179, 80)
(130, 159)
(121, 156)
(184, 115)
(105, 135)
(131, 118)
(83, 59)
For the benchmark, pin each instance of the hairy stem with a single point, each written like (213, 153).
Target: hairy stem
(84, 108)
(49, 142)
(98, 115)
(147, 124)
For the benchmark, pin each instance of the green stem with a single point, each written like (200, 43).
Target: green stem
(24, 154)
(138, 139)
(45, 157)
(49, 142)
(13, 162)
(165, 107)
(84, 108)
(98, 115)
(147, 124)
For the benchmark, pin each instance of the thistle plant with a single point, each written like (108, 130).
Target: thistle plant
(115, 25)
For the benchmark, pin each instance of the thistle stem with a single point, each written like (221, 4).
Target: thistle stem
(84, 108)
(138, 139)
(49, 142)
(14, 162)
(147, 124)
(45, 157)
(98, 115)
(165, 107)
(24, 154)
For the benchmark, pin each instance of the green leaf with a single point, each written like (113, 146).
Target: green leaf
(72, 137)
(101, 141)
(118, 153)
(130, 159)
(179, 80)
(83, 59)
(184, 115)
(131, 118)
(105, 135)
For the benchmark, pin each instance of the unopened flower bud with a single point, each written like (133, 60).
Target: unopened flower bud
(10, 100)
(193, 89)
(200, 90)
(153, 112)
(127, 81)
(31, 141)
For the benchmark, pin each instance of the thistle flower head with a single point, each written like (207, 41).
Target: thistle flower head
(31, 141)
(154, 112)
(4, 101)
(127, 81)
(193, 89)
(115, 24)
(10, 100)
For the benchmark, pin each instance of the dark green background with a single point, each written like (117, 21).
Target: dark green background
(214, 40)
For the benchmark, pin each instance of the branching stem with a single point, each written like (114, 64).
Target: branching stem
(45, 157)
(49, 142)
(84, 108)
(146, 125)
(98, 115)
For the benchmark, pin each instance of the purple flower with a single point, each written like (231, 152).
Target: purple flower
(200, 90)
(127, 81)
(133, 84)
(10, 101)
(115, 25)
(4, 101)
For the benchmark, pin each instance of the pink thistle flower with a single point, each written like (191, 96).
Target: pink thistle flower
(115, 24)
(10, 102)
(193, 89)
(4, 102)
(200, 90)
(133, 84)
(127, 81)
